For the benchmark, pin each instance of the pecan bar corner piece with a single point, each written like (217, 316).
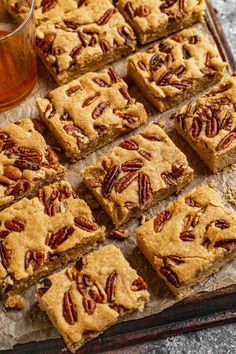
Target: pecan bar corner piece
(190, 240)
(137, 174)
(84, 39)
(209, 125)
(86, 299)
(90, 112)
(39, 235)
(155, 19)
(26, 162)
(176, 69)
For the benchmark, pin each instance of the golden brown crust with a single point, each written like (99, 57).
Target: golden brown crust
(209, 125)
(39, 235)
(177, 68)
(84, 300)
(189, 240)
(154, 19)
(26, 162)
(137, 173)
(90, 112)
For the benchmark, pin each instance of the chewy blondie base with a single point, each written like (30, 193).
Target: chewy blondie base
(176, 69)
(26, 162)
(90, 112)
(190, 240)
(41, 234)
(137, 174)
(84, 300)
(155, 19)
(209, 125)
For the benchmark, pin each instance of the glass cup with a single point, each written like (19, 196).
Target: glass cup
(18, 67)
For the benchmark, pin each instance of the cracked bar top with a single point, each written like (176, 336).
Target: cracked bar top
(85, 39)
(26, 161)
(90, 112)
(176, 65)
(209, 125)
(39, 235)
(136, 174)
(86, 299)
(189, 240)
(153, 19)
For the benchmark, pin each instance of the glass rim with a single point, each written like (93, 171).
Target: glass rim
(21, 25)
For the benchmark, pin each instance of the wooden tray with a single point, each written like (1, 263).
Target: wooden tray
(201, 311)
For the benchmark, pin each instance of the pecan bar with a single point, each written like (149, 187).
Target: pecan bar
(26, 162)
(39, 235)
(190, 240)
(209, 125)
(84, 39)
(176, 69)
(86, 299)
(90, 112)
(154, 19)
(137, 174)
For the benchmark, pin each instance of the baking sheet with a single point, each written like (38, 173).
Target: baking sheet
(31, 324)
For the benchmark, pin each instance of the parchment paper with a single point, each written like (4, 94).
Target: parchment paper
(31, 324)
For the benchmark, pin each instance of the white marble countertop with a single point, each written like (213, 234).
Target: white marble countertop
(218, 340)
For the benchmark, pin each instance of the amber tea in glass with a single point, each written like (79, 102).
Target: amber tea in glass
(18, 68)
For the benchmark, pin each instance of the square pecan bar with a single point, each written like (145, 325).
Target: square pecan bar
(86, 299)
(26, 162)
(176, 69)
(154, 19)
(41, 234)
(209, 125)
(190, 240)
(137, 174)
(84, 39)
(90, 112)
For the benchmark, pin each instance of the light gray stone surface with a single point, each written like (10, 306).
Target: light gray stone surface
(218, 340)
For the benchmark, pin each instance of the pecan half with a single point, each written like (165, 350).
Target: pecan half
(89, 305)
(14, 225)
(165, 77)
(126, 36)
(45, 284)
(227, 244)
(194, 39)
(69, 311)
(76, 51)
(161, 220)
(25, 165)
(177, 171)
(155, 63)
(12, 172)
(100, 82)
(151, 137)
(180, 71)
(45, 44)
(183, 85)
(109, 180)
(167, 3)
(100, 109)
(119, 234)
(142, 11)
(35, 258)
(5, 254)
(180, 120)
(129, 10)
(226, 141)
(168, 178)
(224, 87)
(72, 90)
(227, 122)
(80, 263)
(220, 223)
(20, 188)
(113, 75)
(132, 165)
(129, 145)
(187, 235)
(165, 47)
(141, 65)
(172, 278)
(144, 188)
(4, 233)
(110, 285)
(125, 93)
(85, 224)
(48, 5)
(125, 181)
(185, 53)
(60, 236)
(106, 17)
(196, 128)
(139, 284)
(146, 154)
(212, 127)
(90, 100)
(104, 46)
(192, 203)
(174, 259)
